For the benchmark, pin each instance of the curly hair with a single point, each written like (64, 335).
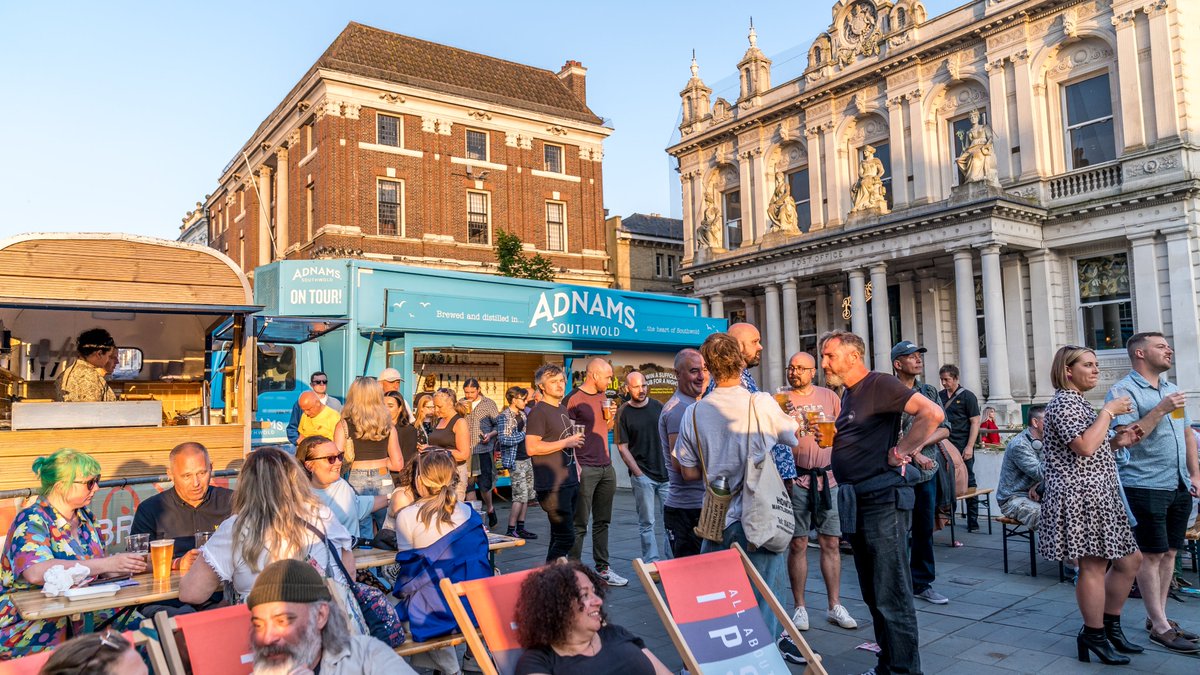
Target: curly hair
(549, 598)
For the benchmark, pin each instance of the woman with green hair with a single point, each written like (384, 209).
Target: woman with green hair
(57, 529)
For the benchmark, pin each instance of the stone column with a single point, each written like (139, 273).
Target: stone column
(773, 338)
(858, 309)
(999, 388)
(764, 186)
(920, 147)
(1147, 304)
(703, 306)
(1042, 322)
(820, 295)
(895, 108)
(282, 197)
(1026, 114)
(908, 308)
(1129, 76)
(835, 178)
(265, 254)
(932, 326)
(1014, 317)
(716, 306)
(815, 188)
(689, 214)
(1185, 322)
(881, 319)
(746, 193)
(750, 304)
(998, 117)
(968, 331)
(1166, 107)
(791, 321)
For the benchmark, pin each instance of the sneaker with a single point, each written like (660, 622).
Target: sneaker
(469, 664)
(932, 596)
(800, 618)
(526, 534)
(492, 519)
(841, 617)
(612, 578)
(789, 650)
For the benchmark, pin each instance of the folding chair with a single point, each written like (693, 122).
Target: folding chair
(493, 601)
(30, 665)
(217, 641)
(713, 616)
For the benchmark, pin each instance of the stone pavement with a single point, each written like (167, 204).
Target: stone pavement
(994, 623)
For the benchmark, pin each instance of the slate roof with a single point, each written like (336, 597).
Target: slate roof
(653, 226)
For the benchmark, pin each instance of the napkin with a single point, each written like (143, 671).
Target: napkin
(58, 579)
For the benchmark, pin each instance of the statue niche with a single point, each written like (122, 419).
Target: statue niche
(978, 158)
(869, 193)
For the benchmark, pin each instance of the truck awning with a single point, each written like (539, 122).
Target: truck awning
(289, 330)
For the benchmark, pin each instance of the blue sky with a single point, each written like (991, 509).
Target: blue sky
(119, 116)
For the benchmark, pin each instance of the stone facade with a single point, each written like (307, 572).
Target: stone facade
(392, 148)
(646, 251)
(1079, 226)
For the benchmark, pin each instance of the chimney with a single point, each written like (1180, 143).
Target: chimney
(574, 75)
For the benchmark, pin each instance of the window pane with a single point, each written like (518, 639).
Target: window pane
(389, 208)
(388, 130)
(477, 218)
(1088, 100)
(958, 135)
(1103, 278)
(553, 155)
(477, 145)
(129, 363)
(1108, 326)
(556, 236)
(1093, 144)
(733, 219)
(884, 153)
(276, 368)
(798, 183)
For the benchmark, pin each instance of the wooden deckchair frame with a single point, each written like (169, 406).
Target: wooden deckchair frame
(453, 592)
(154, 649)
(648, 574)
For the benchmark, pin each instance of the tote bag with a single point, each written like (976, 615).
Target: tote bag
(767, 516)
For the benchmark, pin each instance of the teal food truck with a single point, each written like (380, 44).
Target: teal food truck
(355, 317)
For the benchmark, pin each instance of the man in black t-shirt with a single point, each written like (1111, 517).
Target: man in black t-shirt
(962, 412)
(636, 434)
(550, 443)
(875, 498)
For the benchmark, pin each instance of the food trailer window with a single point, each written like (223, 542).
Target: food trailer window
(276, 368)
(129, 363)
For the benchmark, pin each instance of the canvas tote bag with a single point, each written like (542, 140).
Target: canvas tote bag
(767, 514)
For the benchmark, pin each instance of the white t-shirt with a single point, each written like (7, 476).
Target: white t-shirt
(729, 428)
(228, 565)
(412, 533)
(349, 508)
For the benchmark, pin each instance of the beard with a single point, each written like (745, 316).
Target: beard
(281, 659)
(752, 361)
(832, 380)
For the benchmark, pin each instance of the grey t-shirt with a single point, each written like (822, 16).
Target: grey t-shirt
(681, 494)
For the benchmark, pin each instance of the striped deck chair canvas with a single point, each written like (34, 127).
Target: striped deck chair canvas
(493, 601)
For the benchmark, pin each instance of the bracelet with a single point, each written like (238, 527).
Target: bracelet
(1105, 410)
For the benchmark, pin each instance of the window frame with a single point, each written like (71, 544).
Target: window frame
(562, 157)
(562, 225)
(1080, 306)
(487, 145)
(399, 120)
(803, 207)
(726, 239)
(400, 224)
(1068, 158)
(487, 204)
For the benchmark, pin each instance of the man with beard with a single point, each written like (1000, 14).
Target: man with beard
(636, 434)
(681, 508)
(296, 628)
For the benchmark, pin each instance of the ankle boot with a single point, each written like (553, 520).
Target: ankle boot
(1112, 630)
(1095, 641)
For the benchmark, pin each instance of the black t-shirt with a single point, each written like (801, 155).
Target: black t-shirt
(638, 428)
(620, 654)
(551, 423)
(166, 516)
(962, 408)
(868, 427)
(407, 435)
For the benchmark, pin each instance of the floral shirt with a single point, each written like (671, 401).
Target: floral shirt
(38, 534)
(81, 381)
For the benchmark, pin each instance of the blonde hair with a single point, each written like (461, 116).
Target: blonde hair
(365, 410)
(1063, 359)
(274, 504)
(460, 407)
(436, 477)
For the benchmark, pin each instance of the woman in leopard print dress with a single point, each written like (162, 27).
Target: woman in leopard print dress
(1083, 516)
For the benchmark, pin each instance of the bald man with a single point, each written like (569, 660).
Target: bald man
(636, 435)
(317, 419)
(589, 405)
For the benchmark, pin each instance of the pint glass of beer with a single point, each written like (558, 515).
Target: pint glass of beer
(781, 397)
(161, 552)
(828, 430)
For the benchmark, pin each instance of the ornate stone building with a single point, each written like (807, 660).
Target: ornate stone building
(1033, 184)
(398, 149)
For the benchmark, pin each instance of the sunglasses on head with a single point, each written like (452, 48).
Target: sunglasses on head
(332, 459)
(320, 382)
(91, 483)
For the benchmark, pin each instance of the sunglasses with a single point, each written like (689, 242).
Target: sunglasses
(332, 459)
(320, 382)
(91, 483)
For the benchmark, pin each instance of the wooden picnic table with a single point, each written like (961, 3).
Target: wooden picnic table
(378, 557)
(34, 605)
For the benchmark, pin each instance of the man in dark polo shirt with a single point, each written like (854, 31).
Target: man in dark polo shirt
(192, 505)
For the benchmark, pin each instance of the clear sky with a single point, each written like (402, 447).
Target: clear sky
(118, 116)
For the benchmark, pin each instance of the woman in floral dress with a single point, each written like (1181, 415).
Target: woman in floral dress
(1083, 517)
(57, 529)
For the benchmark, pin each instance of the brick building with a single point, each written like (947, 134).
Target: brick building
(398, 149)
(646, 251)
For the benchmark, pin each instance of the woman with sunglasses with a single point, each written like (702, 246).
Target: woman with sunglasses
(322, 461)
(58, 529)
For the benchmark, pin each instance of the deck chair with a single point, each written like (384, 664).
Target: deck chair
(30, 665)
(712, 615)
(493, 601)
(217, 641)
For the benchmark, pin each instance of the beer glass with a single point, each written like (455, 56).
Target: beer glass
(161, 552)
(781, 397)
(138, 543)
(828, 431)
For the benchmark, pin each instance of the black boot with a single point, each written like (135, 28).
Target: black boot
(1093, 640)
(1112, 630)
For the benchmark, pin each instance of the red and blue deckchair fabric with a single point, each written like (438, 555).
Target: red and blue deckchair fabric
(713, 616)
(493, 602)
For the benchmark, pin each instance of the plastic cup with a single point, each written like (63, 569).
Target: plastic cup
(781, 397)
(137, 543)
(161, 553)
(1177, 414)
(828, 431)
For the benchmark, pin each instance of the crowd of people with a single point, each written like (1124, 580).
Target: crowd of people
(870, 461)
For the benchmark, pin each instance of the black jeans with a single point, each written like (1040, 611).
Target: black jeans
(921, 544)
(680, 525)
(881, 559)
(973, 502)
(559, 506)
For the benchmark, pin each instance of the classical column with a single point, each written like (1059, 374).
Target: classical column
(764, 186)
(689, 214)
(908, 307)
(750, 305)
(932, 326)
(998, 117)
(282, 197)
(703, 306)
(820, 296)
(1148, 305)
(773, 339)
(858, 309)
(920, 145)
(999, 388)
(835, 178)
(716, 306)
(1185, 322)
(1042, 322)
(1129, 76)
(881, 318)
(895, 108)
(265, 254)
(968, 331)
(815, 188)
(746, 194)
(1014, 316)
(1026, 129)
(1166, 108)
(791, 320)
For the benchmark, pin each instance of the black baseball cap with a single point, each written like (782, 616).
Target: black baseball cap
(905, 348)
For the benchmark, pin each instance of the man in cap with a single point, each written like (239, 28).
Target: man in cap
(390, 380)
(297, 628)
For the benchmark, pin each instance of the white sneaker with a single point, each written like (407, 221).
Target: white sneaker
(612, 578)
(800, 618)
(841, 617)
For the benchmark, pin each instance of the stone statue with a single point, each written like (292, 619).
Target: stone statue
(782, 209)
(978, 159)
(868, 192)
(708, 235)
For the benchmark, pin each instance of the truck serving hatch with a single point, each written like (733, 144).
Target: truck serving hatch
(289, 330)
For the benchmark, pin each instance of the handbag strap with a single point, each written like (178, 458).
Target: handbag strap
(333, 553)
(700, 448)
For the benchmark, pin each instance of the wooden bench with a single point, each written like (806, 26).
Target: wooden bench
(1011, 527)
(971, 493)
(411, 649)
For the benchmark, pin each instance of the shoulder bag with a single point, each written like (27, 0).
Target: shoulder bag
(767, 516)
(366, 605)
